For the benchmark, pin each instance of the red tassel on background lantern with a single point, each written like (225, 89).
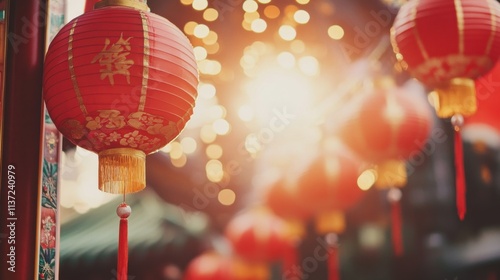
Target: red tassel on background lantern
(394, 196)
(458, 122)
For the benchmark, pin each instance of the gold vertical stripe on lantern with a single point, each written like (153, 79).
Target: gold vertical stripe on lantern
(391, 174)
(72, 69)
(457, 97)
(493, 29)
(421, 45)
(460, 25)
(145, 73)
(122, 170)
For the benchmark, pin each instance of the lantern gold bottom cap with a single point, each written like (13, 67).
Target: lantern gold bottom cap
(122, 170)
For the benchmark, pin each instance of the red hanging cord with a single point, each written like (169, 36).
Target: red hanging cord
(333, 263)
(394, 197)
(123, 211)
(89, 5)
(291, 259)
(457, 122)
(397, 236)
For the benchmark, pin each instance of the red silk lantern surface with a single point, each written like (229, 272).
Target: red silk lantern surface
(212, 266)
(439, 40)
(120, 81)
(258, 235)
(330, 183)
(284, 200)
(388, 124)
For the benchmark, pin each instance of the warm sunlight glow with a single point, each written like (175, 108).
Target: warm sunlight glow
(287, 32)
(259, 25)
(200, 5)
(227, 197)
(301, 17)
(367, 179)
(250, 6)
(336, 32)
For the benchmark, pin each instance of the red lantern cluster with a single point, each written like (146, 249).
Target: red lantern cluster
(120, 81)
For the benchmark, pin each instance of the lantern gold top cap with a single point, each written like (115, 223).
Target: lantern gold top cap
(136, 4)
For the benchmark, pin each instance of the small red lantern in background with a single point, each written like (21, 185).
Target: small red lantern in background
(386, 127)
(121, 82)
(214, 266)
(259, 235)
(328, 188)
(447, 44)
(486, 121)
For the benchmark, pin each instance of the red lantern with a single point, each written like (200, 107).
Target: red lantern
(330, 182)
(386, 128)
(213, 266)
(258, 235)
(120, 81)
(446, 45)
(283, 199)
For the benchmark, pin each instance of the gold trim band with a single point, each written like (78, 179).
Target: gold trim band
(460, 25)
(145, 63)
(136, 4)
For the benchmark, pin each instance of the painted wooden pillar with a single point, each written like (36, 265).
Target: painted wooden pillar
(22, 127)
(49, 225)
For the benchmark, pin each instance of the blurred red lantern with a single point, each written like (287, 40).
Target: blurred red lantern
(387, 127)
(446, 44)
(213, 266)
(283, 199)
(484, 126)
(330, 182)
(259, 235)
(120, 81)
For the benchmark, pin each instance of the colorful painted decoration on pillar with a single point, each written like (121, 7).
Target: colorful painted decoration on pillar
(122, 82)
(447, 44)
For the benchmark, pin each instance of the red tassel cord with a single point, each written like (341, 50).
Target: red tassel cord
(291, 260)
(333, 263)
(397, 228)
(123, 211)
(460, 175)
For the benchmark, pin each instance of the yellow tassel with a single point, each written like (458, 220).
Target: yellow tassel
(330, 222)
(391, 174)
(122, 170)
(457, 97)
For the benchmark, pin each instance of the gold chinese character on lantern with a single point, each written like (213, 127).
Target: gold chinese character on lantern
(113, 59)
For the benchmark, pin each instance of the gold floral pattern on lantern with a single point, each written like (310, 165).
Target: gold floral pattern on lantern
(109, 128)
(440, 70)
(114, 59)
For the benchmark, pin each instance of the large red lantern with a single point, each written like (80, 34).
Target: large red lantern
(446, 44)
(121, 82)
